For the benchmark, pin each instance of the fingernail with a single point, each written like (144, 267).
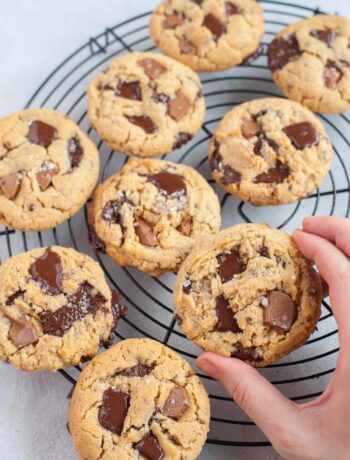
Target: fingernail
(206, 366)
(296, 231)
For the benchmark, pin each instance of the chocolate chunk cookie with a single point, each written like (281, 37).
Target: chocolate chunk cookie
(139, 400)
(48, 168)
(310, 61)
(55, 309)
(208, 35)
(270, 151)
(149, 215)
(146, 104)
(248, 292)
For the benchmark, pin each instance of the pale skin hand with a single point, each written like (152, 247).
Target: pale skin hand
(319, 430)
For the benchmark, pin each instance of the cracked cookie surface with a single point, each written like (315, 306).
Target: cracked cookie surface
(146, 104)
(139, 400)
(310, 61)
(270, 151)
(150, 214)
(48, 169)
(56, 309)
(208, 35)
(248, 293)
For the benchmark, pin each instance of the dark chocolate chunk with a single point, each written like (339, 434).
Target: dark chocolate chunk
(229, 176)
(181, 139)
(41, 133)
(113, 411)
(22, 331)
(45, 175)
(327, 36)
(97, 244)
(129, 90)
(332, 75)
(173, 20)
(186, 226)
(199, 2)
(10, 185)
(215, 160)
(280, 312)
(250, 128)
(282, 50)
(47, 272)
(161, 98)
(226, 318)
(140, 370)
(187, 47)
(264, 252)
(111, 210)
(144, 122)
(87, 300)
(170, 183)
(177, 403)
(187, 286)
(216, 27)
(264, 140)
(275, 175)
(179, 106)
(152, 67)
(75, 152)
(230, 264)
(149, 448)
(302, 135)
(245, 353)
(231, 9)
(145, 232)
(11, 299)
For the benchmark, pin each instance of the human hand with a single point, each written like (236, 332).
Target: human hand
(318, 430)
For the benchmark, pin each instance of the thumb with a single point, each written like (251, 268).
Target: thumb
(257, 397)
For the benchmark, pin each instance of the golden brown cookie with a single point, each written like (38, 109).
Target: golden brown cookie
(247, 292)
(139, 400)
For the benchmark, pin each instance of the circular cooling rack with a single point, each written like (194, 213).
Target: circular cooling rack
(304, 374)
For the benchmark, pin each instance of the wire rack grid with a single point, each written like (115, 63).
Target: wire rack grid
(304, 374)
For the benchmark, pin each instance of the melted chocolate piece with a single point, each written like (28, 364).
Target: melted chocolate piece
(97, 244)
(75, 152)
(87, 300)
(129, 90)
(216, 27)
(280, 312)
(177, 403)
(231, 9)
(161, 98)
(186, 226)
(230, 264)
(173, 20)
(111, 210)
(230, 176)
(145, 232)
(149, 448)
(181, 139)
(327, 36)
(263, 140)
(22, 332)
(187, 286)
(332, 75)
(264, 252)
(250, 128)
(187, 47)
(302, 135)
(245, 354)
(281, 51)
(11, 299)
(113, 410)
(215, 160)
(199, 2)
(47, 272)
(140, 370)
(44, 178)
(275, 175)
(170, 183)
(226, 318)
(41, 133)
(153, 69)
(179, 106)
(10, 185)
(119, 311)
(144, 122)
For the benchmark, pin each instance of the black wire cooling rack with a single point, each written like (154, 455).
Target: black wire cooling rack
(304, 374)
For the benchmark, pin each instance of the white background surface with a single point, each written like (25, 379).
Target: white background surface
(35, 36)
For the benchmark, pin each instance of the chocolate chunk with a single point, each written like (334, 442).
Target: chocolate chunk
(250, 128)
(47, 272)
(199, 2)
(327, 36)
(10, 185)
(229, 176)
(161, 98)
(187, 47)
(280, 312)
(245, 353)
(45, 175)
(11, 299)
(231, 9)
(129, 90)
(332, 75)
(170, 183)
(275, 175)
(253, 56)
(111, 210)
(97, 244)
(302, 135)
(41, 133)
(22, 332)
(87, 300)
(75, 152)
(181, 139)
(264, 252)
(264, 140)
(152, 67)
(140, 370)
(149, 448)
(282, 50)
(113, 411)
(230, 264)
(215, 160)
(145, 233)
(258, 115)
(118, 310)
(186, 226)
(216, 27)
(226, 318)
(177, 403)
(144, 122)
(187, 286)
(179, 106)
(173, 20)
